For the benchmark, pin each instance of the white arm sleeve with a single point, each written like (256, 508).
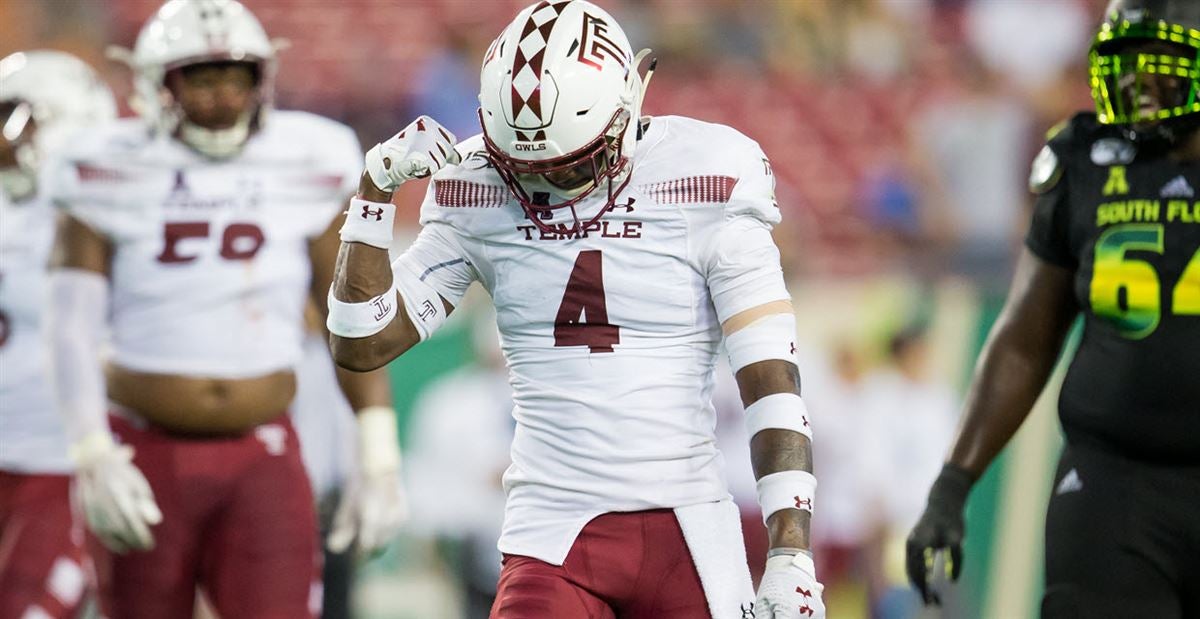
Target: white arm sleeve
(78, 313)
(742, 267)
(434, 263)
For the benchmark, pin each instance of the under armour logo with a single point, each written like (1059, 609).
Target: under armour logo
(628, 206)
(806, 609)
(793, 348)
(382, 307)
(368, 212)
(427, 310)
(805, 418)
(747, 611)
(804, 503)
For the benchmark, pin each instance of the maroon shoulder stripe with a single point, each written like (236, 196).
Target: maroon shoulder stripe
(692, 190)
(465, 194)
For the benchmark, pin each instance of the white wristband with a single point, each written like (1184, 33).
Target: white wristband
(779, 411)
(769, 337)
(369, 223)
(786, 490)
(355, 320)
(378, 441)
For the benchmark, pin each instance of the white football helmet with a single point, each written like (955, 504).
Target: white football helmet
(190, 32)
(55, 94)
(560, 97)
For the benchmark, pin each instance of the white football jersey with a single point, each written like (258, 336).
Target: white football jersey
(32, 438)
(211, 268)
(611, 336)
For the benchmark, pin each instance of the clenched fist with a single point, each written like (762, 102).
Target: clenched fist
(419, 150)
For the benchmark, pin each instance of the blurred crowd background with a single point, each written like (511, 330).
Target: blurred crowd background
(901, 133)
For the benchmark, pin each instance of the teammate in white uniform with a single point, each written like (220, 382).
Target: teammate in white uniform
(195, 234)
(44, 97)
(618, 251)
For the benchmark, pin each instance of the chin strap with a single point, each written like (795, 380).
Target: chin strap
(217, 143)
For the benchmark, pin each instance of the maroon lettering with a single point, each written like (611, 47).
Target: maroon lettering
(606, 229)
(173, 233)
(565, 232)
(604, 232)
(241, 241)
(583, 314)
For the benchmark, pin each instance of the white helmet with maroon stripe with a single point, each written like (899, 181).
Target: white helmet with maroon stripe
(189, 32)
(559, 98)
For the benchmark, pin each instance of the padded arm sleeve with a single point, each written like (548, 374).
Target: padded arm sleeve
(436, 262)
(743, 268)
(78, 312)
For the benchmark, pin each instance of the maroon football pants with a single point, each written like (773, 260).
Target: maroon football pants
(41, 550)
(633, 565)
(238, 521)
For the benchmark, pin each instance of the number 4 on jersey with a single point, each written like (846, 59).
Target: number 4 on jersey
(583, 315)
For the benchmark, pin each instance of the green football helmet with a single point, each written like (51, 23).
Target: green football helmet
(1145, 68)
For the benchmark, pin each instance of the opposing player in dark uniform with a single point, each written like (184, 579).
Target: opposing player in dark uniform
(1115, 236)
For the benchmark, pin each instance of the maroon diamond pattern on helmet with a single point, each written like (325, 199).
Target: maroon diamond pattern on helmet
(692, 190)
(465, 194)
(527, 64)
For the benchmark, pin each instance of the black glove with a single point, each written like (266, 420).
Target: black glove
(941, 526)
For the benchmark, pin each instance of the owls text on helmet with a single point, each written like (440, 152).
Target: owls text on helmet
(190, 32)
(45, 96)
(560, 97)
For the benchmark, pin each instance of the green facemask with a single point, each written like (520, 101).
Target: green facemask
(1130, 87)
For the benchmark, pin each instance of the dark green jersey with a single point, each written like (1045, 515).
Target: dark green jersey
(1128, 225)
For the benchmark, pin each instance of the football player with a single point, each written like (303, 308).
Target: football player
(194, 235)
(620, 252)
(1115, 237)
(44, 97)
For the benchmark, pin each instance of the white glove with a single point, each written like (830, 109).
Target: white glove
(113, 493)
(373, 506)
(419, 150)
(789, 589)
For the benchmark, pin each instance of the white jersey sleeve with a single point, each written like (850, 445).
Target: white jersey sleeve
(736, 253)
(437, 259)
(338, 163)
